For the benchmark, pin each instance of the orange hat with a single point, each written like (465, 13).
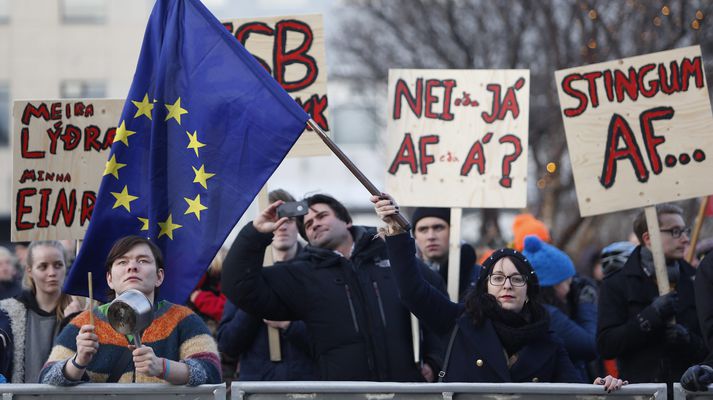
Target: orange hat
(525, 225)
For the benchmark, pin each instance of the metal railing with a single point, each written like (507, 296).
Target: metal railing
(113, 391)
(436, 391)
(680, 394)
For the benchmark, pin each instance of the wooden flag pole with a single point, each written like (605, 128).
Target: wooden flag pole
(697, 229)
(273, 334)
(454, 254)
(91, 297)
(402, 221)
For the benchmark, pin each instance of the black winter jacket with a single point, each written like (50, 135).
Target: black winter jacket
(704, 302)
(477, 354)
(644, 356)
(358, 328)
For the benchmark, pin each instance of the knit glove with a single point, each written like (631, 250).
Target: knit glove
(677, 335)
(697, 378)
(656, 314)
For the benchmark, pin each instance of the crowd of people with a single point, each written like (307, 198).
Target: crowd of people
(338, 299)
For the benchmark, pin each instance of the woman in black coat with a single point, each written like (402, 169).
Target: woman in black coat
(500, 333)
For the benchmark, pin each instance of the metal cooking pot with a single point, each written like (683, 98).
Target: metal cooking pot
(130, 314)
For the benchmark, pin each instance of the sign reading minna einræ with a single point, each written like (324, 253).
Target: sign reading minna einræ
(458, 138)
(60, 150)
(639, 130)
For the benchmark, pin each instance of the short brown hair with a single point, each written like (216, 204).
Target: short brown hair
(640, 226)
(123, 246)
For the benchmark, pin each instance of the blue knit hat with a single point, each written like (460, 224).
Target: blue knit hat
(551, 264)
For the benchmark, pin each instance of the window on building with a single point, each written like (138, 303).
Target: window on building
(82, 89)
(4, 114)
(83, 11)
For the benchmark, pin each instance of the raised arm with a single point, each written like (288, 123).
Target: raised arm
(243, 280)
(428, 303)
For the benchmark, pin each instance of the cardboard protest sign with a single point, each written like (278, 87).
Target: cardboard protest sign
(60, 150)
(638, 130)
(291, 48)
(458, 138)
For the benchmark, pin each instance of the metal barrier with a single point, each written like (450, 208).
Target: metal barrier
(680, 394)
(115, 391)
(436, 391)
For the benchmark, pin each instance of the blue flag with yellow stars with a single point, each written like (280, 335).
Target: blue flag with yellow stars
(203, 128)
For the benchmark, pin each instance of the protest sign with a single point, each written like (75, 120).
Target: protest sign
(458, 138)
(60, 151)
(638, 130)
(291, 48)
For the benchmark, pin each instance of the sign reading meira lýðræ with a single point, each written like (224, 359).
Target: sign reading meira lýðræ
(292, 50)
(59, 154)
(59, 145)
(458, 138)
(638, 130)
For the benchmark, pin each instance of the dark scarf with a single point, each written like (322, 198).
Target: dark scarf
(515, 330)
(647, 264)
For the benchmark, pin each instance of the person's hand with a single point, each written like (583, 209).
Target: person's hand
(87, 344)
(385, 208)
(194, 295)
(146, 361)
(427, 373)
(277, 324)
(677, 334)
(660, 310)
(697, 378)
(73, 307)
(267, 221)
(610, 383)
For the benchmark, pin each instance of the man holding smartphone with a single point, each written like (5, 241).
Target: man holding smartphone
(243, 337)
(341, 286)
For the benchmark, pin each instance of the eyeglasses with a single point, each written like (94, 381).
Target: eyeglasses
(677, 232)
(516, 280)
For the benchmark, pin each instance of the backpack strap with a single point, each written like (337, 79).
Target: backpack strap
(442, 372)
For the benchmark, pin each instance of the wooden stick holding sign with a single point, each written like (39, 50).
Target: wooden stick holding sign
(652, 223)
(454, 254)
(403, 222)
(697, 230)
(273, 334)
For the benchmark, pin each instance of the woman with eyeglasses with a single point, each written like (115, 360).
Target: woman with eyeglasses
(501, 331)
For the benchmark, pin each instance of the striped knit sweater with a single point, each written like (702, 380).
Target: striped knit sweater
(176, 334)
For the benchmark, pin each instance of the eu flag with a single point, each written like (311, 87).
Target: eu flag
(203, 128)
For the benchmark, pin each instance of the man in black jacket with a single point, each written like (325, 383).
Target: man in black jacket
(698, 377)
(341, 286)
(635, 322)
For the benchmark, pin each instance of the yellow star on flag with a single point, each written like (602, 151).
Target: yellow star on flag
(175, 111)
(168, 227)
(144, 107)
(113, 167)
(123, 199)
(122, 134)
(202, 176)
(193, 142)
(195, 206)
(145, 223)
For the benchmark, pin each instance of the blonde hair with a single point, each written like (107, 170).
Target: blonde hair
(28, 283)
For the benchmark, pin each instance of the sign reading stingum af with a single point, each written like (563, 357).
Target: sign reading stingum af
(638, 130)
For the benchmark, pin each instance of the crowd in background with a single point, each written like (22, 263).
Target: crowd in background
(339, 295)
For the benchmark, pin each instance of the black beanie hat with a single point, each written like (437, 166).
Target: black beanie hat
(423, 212)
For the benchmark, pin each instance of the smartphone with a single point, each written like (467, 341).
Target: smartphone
(292, 209)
